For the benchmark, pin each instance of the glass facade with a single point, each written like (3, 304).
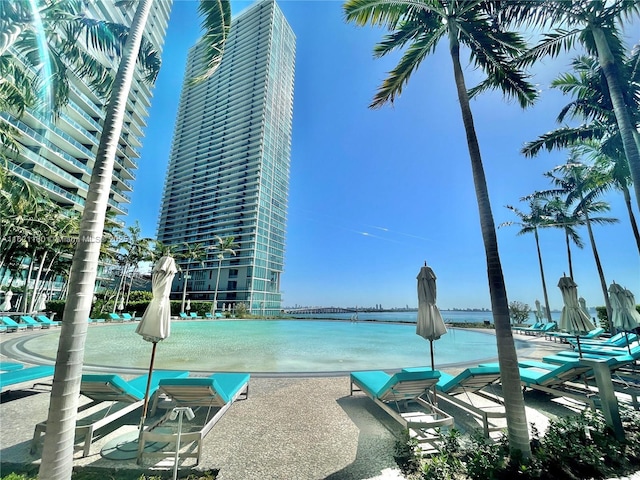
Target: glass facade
(228, 174)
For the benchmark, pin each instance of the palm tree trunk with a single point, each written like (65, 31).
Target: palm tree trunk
(36, 283)
(544, 283)
(567, 240)
(123, 277)
(603, 283)
(517, 428)
(215, 294)
(24, 301)
(625, 125)
(57, 453)
(632, 217)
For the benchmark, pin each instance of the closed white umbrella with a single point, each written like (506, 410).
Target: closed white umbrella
(583, 306)
(41, 306)
(573, 319)
(155, 324)
(6, 305)
(430, 324)
(624, 315)
(539, 314)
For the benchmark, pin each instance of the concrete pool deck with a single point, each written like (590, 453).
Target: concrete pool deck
(289, 428)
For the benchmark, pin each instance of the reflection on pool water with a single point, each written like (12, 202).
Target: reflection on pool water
(261, 346)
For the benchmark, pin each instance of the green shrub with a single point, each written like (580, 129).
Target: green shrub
(573, 448)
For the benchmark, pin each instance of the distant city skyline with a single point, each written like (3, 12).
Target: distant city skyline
(376, 193)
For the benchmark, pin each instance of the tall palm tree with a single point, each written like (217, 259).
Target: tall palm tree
(612, 172)
(583, 191)
(562, 217)
(476, 25)
(600, 139)
(530, 223)
(192, 253)
(596, 25)
(57, 454)
(223, 246)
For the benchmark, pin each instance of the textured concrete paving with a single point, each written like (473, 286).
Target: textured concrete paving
(288, 428)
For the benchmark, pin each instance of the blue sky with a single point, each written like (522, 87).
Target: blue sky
(376, 193)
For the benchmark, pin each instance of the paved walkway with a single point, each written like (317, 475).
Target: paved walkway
(288, 428)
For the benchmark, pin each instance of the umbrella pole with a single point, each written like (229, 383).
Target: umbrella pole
(435, 398)
(146, 393)
(579, 350)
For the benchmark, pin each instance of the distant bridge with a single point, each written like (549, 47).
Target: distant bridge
(303, 310)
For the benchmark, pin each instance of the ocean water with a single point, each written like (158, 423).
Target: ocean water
(449, 316)
(277, 346)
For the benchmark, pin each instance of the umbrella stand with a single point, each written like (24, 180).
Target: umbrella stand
(146, 393)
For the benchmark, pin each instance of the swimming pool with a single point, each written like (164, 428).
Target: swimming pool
(275, 346)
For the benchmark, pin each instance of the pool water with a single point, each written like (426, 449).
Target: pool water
(275, 346)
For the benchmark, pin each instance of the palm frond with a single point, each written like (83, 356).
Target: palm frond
(562, 138)
(399, 76)
(217, 24)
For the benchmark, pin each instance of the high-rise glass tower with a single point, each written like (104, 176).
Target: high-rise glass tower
(228, 173)
(58, 154)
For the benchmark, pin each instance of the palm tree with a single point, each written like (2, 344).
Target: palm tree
(57, 454)
(595, 24)
(599, 140)
(562, 217)
(224, 245)
(530, 223)
(421, 25)
(612, 172)
(136, 249)
(191, 253)
(31, 74)
(582, 190)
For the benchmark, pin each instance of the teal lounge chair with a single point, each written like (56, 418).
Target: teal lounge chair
(458, 390)
(194, 315)
(184, 315)
(393, 393)
(114, 317)
(127, 317)
(10, 366)
(12, 325)
(46, 321)
(535, 326)
(621, 339)
(208, 315)
(555, 381)
(8, 379)
(125, 397)
(567, 337)
(210, 398)
(96, 320)
(31, 322)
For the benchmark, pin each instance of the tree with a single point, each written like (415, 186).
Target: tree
(519, 312)
(191, 253)
(224, 245)
(600, 139)
(582, 190)
(57, 455)
(530, 222)
(561, 216)
(480, 26)
(31, 74)
(595, 24)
